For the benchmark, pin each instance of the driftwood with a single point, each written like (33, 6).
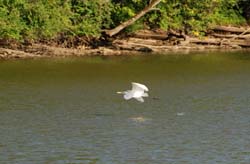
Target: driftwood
(129, 22)
(204, 41)
(180, 34)
(151, 36)
(160, 35)
(140, 46)
(231, 36)
(234, 42)
(154, 42)
(243, 33)
(219, 42)
(162, 41)
(230, 29)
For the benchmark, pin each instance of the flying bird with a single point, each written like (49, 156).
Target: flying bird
(137, 92)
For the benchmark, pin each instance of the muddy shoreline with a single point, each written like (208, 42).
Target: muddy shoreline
(44, 51)
(140, 43)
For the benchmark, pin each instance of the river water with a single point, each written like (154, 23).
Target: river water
(66, 111)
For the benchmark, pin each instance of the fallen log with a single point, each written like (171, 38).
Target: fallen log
(151, 36)
(180, 34)
(231, 36)
(154, 42)
(219, 42)
(204, 41)
(230, 29)
(242, 43)
(161, 49)
(243, 33)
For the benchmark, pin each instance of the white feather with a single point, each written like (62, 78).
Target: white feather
(138, 91)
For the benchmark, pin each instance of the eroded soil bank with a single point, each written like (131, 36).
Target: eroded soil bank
(141, 42)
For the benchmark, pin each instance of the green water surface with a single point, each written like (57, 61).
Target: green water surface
(56, 111)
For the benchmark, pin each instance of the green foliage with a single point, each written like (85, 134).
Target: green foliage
(124, 10)
(42, 19)
(90, 17)
(195, 16)
(228, 13)
(11, 23)
(21, 19)
(191, 16)
(46, 19)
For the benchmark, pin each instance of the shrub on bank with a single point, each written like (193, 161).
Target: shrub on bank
(42, 19)
(191, 16)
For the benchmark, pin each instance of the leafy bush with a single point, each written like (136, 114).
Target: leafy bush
(90, 16)
(42, 19)
(227, 13)
(21, 19)
(195, 16)
(11, 23)
(191, 16)
(45, 19)
(126, 9)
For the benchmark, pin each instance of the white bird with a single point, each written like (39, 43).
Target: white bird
(138, 92)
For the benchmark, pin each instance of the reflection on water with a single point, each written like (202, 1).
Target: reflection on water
(67, 110)
(139, 119)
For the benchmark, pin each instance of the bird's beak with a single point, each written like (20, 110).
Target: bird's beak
(119, 92)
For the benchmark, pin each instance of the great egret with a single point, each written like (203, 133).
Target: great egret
(138, 92)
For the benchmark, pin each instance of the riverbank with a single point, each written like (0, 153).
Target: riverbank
(141, 42)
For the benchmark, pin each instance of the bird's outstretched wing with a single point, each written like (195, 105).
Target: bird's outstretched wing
(139, 87)
(140, 99)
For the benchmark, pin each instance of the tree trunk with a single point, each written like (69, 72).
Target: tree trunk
(123, 25)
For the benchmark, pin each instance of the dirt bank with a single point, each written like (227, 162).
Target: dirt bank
(141, 42)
